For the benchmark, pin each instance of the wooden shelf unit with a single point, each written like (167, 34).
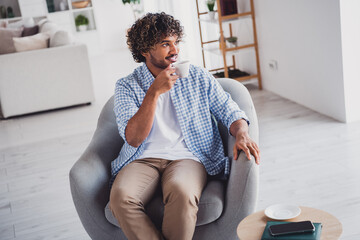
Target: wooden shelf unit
(222, 44)
(65, 18)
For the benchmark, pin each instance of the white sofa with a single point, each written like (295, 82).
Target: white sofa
(44, 79)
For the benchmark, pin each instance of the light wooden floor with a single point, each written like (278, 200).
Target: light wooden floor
(307, 159)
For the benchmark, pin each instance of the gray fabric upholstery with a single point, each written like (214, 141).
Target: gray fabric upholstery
(233, 200)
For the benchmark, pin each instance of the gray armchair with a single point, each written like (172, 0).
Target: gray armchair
(222, 206)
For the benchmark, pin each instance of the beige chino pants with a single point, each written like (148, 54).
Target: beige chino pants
(182, 182)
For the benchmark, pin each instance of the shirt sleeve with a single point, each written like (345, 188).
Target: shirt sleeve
(221, 104)
(125, 106)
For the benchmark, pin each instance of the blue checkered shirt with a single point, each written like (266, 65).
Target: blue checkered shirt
(197, 99)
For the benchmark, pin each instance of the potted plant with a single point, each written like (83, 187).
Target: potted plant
(81, 22)
(136, 7)
(232, 40)
(211, 4)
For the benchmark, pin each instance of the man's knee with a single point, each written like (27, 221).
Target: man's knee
(123, 199)
(181, 193)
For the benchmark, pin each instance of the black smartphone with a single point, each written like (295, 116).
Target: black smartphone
(289, 228)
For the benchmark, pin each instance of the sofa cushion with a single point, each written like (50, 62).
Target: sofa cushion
(48, 27)
(6, 39)
(37, 41)
(210, 206)
(25, 22)
(42, 21)
(60, 38)
(30, 31)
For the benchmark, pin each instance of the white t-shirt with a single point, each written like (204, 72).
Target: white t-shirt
(166, 140)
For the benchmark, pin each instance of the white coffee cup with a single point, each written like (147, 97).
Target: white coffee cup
(182, 68)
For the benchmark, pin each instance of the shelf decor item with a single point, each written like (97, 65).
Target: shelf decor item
(228, 7)
(10, 12)
(62, 5)
(3, 12)
(81, 22)
(233, 73)
(136, 7)
(211, 4)
(80, 4)
(50, 5)
(232, 41)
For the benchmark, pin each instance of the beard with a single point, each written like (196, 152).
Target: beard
(162, 64)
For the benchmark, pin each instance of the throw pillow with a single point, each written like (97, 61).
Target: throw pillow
(60, 38)
(37, 41)
(42, 21)
(30, 31)
(48, 27)
(6, 39)
(29, 22)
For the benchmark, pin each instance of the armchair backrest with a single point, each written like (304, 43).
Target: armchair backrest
(107, 130)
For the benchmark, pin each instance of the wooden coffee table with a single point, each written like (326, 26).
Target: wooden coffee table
(252, 227)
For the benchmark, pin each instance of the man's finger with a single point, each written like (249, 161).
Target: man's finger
(247, 152)
(171, 69)
(257, 156)
(235, 151)
(174, 77)
(256, 147)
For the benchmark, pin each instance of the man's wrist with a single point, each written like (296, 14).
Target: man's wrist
(153, 93)
(239, 127)
(241, 134)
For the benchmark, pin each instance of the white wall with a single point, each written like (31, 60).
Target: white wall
(185, 12)
(112, 19)
(315, 47)
(304, 37)
(350, 28)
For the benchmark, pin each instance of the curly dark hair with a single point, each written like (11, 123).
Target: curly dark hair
(150, 30)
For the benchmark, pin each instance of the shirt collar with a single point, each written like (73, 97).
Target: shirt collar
(148, 78)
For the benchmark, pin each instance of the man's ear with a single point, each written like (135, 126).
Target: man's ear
(147, 54)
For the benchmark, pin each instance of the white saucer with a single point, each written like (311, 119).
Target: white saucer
(282, 211)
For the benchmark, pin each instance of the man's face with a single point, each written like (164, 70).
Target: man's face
(163, 54)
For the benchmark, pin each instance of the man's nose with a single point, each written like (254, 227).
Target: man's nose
(174, 49)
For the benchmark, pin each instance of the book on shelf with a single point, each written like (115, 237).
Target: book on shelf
(294, 236)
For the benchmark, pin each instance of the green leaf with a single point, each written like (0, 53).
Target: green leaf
(131, 1)
(81, 20)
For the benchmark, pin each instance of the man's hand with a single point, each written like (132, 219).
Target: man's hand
(239, 129)
(164, 81)
(246, 144)
(139, 126)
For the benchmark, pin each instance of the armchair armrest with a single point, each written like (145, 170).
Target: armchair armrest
(242, 188)
(90, 175)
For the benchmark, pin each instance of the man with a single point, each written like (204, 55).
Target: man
(170, 134)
